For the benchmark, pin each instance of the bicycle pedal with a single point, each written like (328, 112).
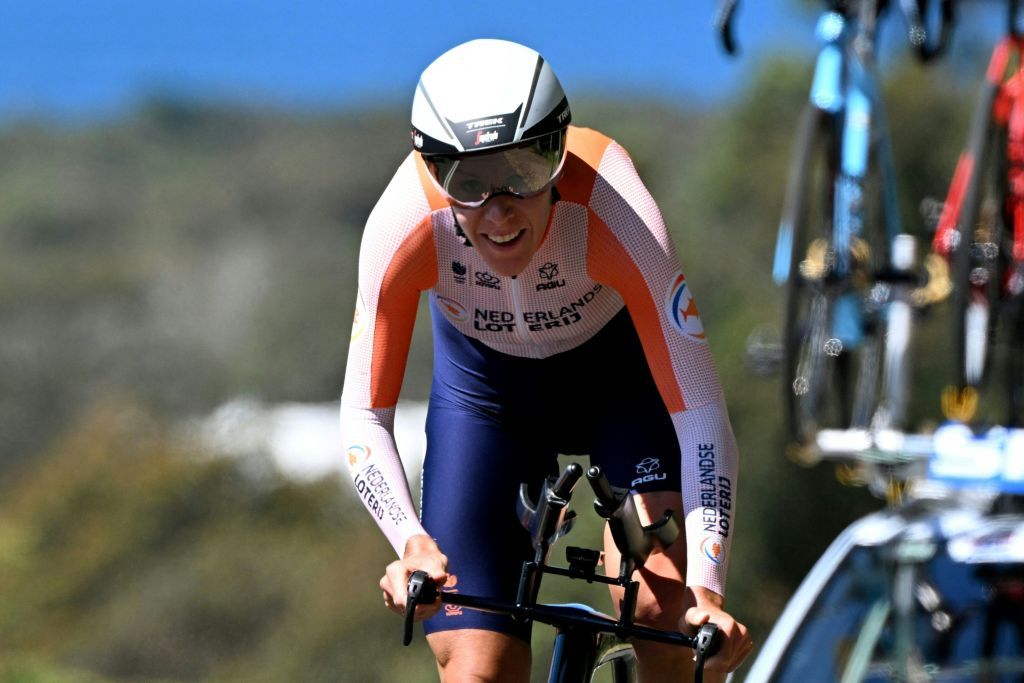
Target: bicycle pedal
(938, 286)
(849, 475)
(803, 454)
(959, 403)
(818, 262)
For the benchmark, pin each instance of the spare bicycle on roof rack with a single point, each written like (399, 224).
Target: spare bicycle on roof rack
(847, 266)
(981, 233)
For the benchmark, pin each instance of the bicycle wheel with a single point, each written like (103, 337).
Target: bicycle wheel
(835, 311)
(808, 395)
(1014, 314)
(878, 368)
(616, 662)
(977, 261)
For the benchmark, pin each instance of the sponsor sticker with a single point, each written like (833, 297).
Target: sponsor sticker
(452, 309)
(488, 280)
(357, 456)
(459, 272)
(549, 270)
(450, 587)
(682, 309)
(712, 548)
(647, 469)
(491, 130)
(648, 465)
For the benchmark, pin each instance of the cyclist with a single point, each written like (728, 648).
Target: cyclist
(562, 324)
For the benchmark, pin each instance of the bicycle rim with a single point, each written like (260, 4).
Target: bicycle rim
(879, 368)
(619, 661)
(977, 259)
(1015, 362)
(807, 386)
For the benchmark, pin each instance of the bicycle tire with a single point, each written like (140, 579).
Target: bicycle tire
(808, 211)
(1015, 363)
(834, 346)
(977, 269)
(620, 662)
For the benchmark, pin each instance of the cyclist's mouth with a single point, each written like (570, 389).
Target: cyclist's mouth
(505, 241)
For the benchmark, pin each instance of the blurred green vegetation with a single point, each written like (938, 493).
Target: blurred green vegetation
(155, 266)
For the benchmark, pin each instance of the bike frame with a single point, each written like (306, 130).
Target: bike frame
(988, 275)
(1001, 104)
(846, 87)
(584, 637)
(845, 316)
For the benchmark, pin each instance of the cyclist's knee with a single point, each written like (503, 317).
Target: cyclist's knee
(477, 655)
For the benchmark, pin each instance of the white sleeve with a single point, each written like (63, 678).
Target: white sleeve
(396, 263)
(377, 473)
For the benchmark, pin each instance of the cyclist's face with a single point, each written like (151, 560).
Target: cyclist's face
(507, 230)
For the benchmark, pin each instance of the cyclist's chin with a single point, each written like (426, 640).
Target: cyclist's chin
(507, 260)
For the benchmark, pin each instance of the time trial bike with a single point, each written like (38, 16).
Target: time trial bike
(585, 639)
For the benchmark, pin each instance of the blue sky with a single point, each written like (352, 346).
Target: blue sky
(78, 59)
(74, 57)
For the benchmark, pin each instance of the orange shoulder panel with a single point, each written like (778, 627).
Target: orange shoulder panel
(586, 147)
(610, 263)
(413, 269)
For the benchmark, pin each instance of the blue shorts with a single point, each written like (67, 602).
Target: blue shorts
(496, 420)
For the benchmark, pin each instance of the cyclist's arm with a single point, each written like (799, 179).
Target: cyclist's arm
(396, 262)
(629, 249)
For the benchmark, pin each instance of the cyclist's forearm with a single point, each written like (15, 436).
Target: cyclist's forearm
(709, 474)
(377, 473)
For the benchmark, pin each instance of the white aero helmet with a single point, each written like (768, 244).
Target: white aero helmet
(481, 97)
(485, 94)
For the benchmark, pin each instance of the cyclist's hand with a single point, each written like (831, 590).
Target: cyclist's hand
(421, 552)
(735, 640)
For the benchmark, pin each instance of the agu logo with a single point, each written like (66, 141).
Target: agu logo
(646, 468)
(452, 309)
(682, 309)
(357, 455)
(712, 549)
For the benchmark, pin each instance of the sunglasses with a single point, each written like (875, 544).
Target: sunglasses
(524, 170)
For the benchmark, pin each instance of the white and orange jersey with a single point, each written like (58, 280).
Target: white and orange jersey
(606, 247)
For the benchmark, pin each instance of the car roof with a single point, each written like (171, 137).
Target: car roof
(962, 521)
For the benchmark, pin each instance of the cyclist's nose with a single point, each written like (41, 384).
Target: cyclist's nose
(499, 209)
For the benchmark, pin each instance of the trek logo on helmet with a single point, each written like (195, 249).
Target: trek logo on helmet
(499, 129)
(485, 123)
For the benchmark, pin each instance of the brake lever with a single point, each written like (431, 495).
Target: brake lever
(420, 591)
(705, 644)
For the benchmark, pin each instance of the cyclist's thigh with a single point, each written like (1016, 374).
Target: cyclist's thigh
(476, 655)
(471, 477)
(634, 441)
